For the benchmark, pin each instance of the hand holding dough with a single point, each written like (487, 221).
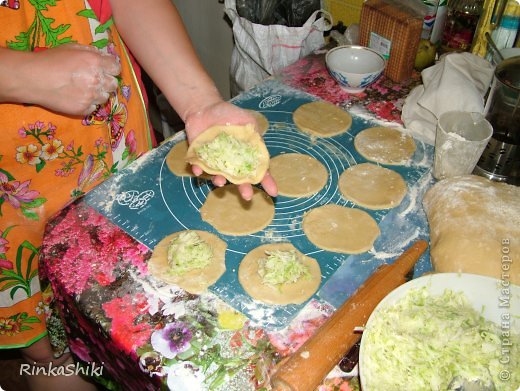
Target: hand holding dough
(238, 153)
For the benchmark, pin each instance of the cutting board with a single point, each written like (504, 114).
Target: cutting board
(149, 202)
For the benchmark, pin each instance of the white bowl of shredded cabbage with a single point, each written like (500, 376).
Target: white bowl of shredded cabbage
(440, 326)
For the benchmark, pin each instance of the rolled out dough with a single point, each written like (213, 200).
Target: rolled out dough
(298, 175)
(372, 186)
(336, 228)
(176, 161)
(195, 281)
(230, 214)
(322, 119)
(244, 133)
(294, 293)
(262, 123)
(384, 145)
(475, 227)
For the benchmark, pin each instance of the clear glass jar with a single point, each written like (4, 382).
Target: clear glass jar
(461, 23)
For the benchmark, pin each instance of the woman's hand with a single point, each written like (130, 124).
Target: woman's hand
(70, 79)
(225, 113)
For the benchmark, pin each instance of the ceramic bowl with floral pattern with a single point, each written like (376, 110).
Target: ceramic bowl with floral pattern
(354, 67)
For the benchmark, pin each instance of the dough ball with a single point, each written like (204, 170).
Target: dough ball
(293, 293)
(194, 281)
(230, 214)
(385, 145)
(372, 186)
(298, 175)
(322, 119)
(344, 230)
(475, 227)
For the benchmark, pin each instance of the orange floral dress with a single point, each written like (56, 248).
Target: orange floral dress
(48, 160)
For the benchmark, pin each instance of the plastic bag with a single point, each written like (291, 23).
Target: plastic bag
(262, 50)
(292, 13)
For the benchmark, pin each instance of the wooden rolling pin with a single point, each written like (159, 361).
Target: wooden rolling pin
(306, 368)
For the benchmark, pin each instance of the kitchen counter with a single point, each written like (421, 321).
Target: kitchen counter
(95, 254)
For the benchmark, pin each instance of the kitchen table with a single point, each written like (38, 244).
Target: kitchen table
(146, 334)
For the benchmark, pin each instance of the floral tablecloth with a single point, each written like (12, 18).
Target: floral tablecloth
(143, 333)
(382, 100)
(146, 335)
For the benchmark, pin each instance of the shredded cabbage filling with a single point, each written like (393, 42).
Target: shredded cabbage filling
(188, 251)
(229, 155)
(423, 342)
(282, 267)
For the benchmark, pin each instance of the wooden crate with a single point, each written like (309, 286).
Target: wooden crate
(394, 32)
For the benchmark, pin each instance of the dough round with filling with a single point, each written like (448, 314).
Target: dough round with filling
(372, 186)
(243, 133)
(262, 123)
(298, 175)
(385, 145)
(194, 281)
(230, 214)
(344, 230)
(292, 293)
(322, 119)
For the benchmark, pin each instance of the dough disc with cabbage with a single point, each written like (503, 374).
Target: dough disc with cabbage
(298, 175)
(385, 145)
(288, 293)
(372, 186)
(344, 230)
(238, 153)
(230, 214)
(194, 281)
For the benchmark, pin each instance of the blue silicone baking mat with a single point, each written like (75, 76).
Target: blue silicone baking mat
(149, 202)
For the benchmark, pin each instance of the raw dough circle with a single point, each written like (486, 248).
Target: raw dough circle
(298, 175)
(385, 145)
(372, 186)
(322, 119)
(294, 293)
(230, 214)
(344, 230)
(176, 160)
(262, 123)
(195, 281)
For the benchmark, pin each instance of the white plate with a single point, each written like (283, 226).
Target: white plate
(487, 295)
